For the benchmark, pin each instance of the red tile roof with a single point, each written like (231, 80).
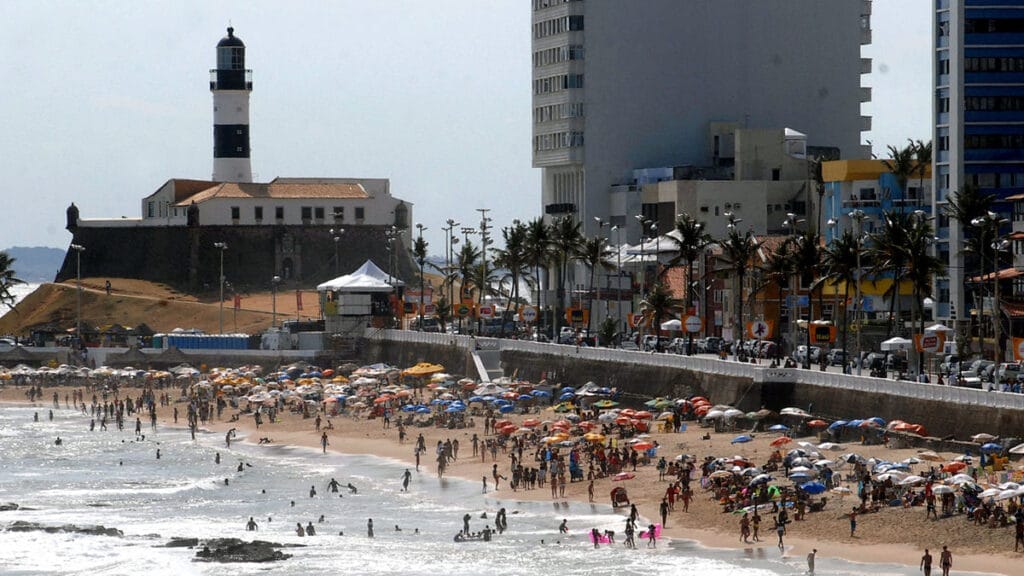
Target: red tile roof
(277, 191)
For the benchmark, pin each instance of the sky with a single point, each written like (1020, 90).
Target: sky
(104, 101)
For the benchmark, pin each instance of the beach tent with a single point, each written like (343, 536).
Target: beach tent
(896, 343)
(366, 278)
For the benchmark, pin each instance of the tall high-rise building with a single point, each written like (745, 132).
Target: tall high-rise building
(619, 86)
(978, 137)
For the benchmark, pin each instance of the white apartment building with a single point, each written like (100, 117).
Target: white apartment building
(619, 86)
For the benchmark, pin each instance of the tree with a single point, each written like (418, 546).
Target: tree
(690, 245)
(660, 304)
(538, 254)
(779, 271)
(738, 251)
(839, 264)
(965, 206)
(921, 265)
(566, 239)
(419, 251)
(595, 254)
(465, 263)
(902, 165)
(806, 254)
(7, 279)
(923, 157)
(514, 257)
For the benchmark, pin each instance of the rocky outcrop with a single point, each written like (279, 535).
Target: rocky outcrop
(9, 506)
(22, 526)
(177, 542)
(235, 550)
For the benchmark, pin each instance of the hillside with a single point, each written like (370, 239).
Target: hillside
(133, 302)
(36, 264)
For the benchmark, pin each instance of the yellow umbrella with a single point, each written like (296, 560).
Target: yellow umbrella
(423, 369)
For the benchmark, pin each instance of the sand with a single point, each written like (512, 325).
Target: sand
(894, 535)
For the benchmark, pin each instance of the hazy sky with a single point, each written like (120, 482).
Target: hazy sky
(104, 101)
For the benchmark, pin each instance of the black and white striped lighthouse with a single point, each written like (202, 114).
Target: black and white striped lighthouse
(231, 84)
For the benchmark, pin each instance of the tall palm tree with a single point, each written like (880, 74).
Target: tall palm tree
(902, 165)
(778, 271)
(889, 260)
(538, 255)
(806, 254)
(839, 264)
(7, 279)
(514, 258)
(965, 206)
(466, 261)
(921, 265)
(595, 254)
(566, 239)
(690, 245)
(659, 304)
(738, 251)
(419, 251)
(923, 157)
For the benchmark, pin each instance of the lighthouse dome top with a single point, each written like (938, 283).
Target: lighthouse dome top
(230, 39)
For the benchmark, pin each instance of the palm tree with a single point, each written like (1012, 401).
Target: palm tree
(738, 251)
(923, 157)
(902, 165)
(659, 304)
(514, 258)
(538, 255)
(566, 239)
(595, 253)
(465, 262)
(840, 265)
(921, 265)
(690, 245)
(889, 259)
(419, 251)
(779, 271)
(806, 256)
(7, 279)
(965, 206)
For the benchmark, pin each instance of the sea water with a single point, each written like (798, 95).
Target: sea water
(110, 478)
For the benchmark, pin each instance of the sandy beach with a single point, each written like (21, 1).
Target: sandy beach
(893, 535)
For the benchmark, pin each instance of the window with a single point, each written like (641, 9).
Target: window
(236, 213)
(149, 209)
(776, 174)
(703, 208)
(943, 66)
(360, 213)
(339, 213)
(279, 212)
(307, 213)
(257, 213)
(318, 212)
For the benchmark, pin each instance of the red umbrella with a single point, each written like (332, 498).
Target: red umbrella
(781, 441)
(643, 415)
(623, 476)
(953, 467)
(531, 422)
(817, 424)
(641, 446)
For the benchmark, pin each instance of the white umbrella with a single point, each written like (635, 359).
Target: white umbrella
(983, 437)
(1018, 449)
(990, 493)
(794, 412)
(672, 325)
(1009, 486)
(830, 446)
(896, 343)
(1006, 495)
(912, 481)
(714, 414)
(960, 479)
(940, 489)
(732, 413)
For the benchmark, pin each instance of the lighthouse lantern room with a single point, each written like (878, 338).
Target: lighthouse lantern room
(231, 84)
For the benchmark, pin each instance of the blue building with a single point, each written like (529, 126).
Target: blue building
(868, 186)
(979, 121)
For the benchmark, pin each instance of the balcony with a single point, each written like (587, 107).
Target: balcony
(857, 202)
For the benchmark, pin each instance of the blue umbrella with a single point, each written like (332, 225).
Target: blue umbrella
(567, 396)
(506, 408)
(568, 389)
(502, 402)
(489, 398)
(741, 439)
(476, 398)
(991, 447)
(813, 487)
(409, 408)
(797, 476)
(423, 410)
(542, 394)
(778, 428)
(525, 398)
(854, 423)
(453, 408)
(877, 420)
(837, 424)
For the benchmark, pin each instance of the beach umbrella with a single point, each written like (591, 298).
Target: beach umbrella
(423, 410)
(792, 411)
(594, 437)
(837, 424)
(643, 446)
(991, 448)
(531, 422)
(830, 446)
(524, 398)
(1006, 495)
(990, 493)
(1009, 486)
(812, 487)
(817, 424)
(643, 415)
(605, 404)
(567, 396)
(406, 408)
(942, 489)
(782, 441)
(953, 467)
(778, 428)
(912, 480)
(760, 479)
(541, 394)
(732, 413)
(506, 408)
(823, 463)
(910, 461)
(717, 474)
(960, 479)
(741, 439)
(930, 456)
(854, 423)
(800, 477)
(453, 409)
(878, 421)
(983, 437)
(1018, 449)
(671, 416)
(714, 414)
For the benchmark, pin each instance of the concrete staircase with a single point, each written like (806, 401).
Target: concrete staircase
(488, 364)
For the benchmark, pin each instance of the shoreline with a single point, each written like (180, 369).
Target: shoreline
(368, 437)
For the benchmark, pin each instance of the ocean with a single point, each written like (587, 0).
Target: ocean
(110, 479)
(19, 291)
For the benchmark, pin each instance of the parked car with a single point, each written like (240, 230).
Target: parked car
(800, 354)
(652, 342)
(836, 357)
(950, 364)
(713, 344)
(1009, 372)
(977, 368)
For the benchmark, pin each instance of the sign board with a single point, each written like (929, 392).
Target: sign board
(429, 309)
(576, 315)
(1018, 349)
(637, 320)
(409, 307)
(759, 329)
(797, 301)
(528, 314)
(693, 324)
(462, 310)
(930, 342)
(823, 334)
(485, 311)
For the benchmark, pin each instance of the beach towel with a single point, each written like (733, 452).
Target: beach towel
(657, 532)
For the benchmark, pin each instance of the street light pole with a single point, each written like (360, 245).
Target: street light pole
(336, 233)
(449, 258)
(485, 240)
(78, 248)
(273, 299)
(421, 228)
(858, 219)
(222, 246)
(618, 281)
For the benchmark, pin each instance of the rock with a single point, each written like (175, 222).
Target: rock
(235, 550)
(22, 526)
(8, 507)
(177, 542)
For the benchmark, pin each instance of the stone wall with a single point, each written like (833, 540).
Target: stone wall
(184, 257)
(456, 360)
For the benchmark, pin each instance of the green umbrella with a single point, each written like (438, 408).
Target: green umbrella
(605, 404)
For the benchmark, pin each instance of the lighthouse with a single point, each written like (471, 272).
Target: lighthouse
(231, 84)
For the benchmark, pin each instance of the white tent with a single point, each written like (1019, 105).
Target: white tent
(672, 325)
(896, 343)
(367, 278)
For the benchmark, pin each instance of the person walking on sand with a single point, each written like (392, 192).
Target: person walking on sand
(406, 478)
(312, 491)
(810, 561)
(945, 561)
(745, 528)
(323, 442)
(780, 529)
(663, 508)
(853, 522)
(926, 563)
(369, 528)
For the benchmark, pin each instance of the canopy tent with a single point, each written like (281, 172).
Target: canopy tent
(672, 325)
(366, 278)
(896, 343)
